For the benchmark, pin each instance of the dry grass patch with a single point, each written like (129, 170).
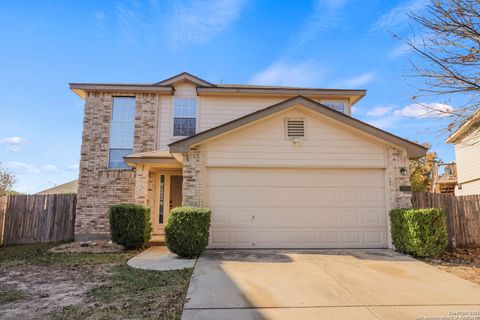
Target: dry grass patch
(36, 283)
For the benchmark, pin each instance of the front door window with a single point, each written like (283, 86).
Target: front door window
(175, 191)
(161, 198)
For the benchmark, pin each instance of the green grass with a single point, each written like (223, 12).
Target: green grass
(10, 296)
(38, 254)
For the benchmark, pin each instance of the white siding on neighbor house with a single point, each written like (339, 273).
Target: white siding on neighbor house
(468, 166)
(327, 144)
(471, 188)
(215, 110)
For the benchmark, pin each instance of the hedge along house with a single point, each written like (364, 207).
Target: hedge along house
(280, 167)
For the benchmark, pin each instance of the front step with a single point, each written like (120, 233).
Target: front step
(157, 240)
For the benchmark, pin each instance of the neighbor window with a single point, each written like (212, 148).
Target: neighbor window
(184, 117)
(335, 105)
(121, 131)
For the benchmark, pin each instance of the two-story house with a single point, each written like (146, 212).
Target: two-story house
(280, 167)
(467, 153)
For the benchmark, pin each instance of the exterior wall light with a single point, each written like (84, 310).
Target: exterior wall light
(403, 171)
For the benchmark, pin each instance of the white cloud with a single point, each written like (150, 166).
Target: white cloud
(400, 50)
(357, 81)
(22, 167)
(199, 21)
(398, 17)
(425, 110)
(285, 74)
(379, 111)
(49, 168)
(324, 16)
(13, 143)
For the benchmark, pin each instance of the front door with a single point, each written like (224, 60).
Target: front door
(175, 191)
(168, 191)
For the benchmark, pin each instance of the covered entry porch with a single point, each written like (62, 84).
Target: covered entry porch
(158, 185)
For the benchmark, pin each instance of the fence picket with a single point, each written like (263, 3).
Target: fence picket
(462, 215)
(37, 218)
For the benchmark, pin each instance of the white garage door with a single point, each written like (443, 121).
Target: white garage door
(297, 208)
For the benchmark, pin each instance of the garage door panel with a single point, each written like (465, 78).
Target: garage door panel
(226, 177)
(294, 238)
(273, 208)
(297, 217)
(296, 197)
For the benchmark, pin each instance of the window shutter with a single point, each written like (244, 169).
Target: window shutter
(295, 128)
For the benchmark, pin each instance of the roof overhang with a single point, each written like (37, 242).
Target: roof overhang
(464, 128)
(158, 158)
(81, 88)
(414, 150)
(184, 76)
(353, 95)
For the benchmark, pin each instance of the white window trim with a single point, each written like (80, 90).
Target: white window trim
(172, 108)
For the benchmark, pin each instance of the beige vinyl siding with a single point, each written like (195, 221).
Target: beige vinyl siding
(326, 144)
(216, 110)
(165, 122)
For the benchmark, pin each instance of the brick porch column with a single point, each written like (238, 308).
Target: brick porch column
(141, 184)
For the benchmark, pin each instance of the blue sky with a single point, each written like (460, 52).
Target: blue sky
(324, 43)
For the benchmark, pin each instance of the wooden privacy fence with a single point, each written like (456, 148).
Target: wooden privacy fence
(463, 216)
(37, 218)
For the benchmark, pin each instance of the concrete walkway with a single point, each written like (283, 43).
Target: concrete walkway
(160, 259)
(323, 284)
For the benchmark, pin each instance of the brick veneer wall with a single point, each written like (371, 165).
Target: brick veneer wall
(100, 187)
(396, 161)
(193, 176)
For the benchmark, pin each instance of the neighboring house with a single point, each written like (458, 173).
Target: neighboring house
(69, 187)
(280, 167)
(467, 153)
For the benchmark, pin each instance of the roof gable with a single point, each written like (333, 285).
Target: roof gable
(184, 76)
(466, 128)
(414, 150)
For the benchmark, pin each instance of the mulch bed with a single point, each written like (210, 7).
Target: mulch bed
(98, 246)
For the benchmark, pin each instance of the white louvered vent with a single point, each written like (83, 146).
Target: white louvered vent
(295, 128)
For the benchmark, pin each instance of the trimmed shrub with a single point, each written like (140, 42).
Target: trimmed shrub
(130, 225)
(419, 232)
(186, 232)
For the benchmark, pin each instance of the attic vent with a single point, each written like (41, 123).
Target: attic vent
(295, 128)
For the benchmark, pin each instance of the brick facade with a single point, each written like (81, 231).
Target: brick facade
(193, 178)
(397, 162)
(100, 187)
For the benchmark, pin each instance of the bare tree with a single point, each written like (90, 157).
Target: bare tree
(7, 180)
(447, 56)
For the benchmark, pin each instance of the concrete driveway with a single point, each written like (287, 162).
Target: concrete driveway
(324, 284)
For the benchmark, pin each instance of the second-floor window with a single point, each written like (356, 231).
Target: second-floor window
(184, 117)
(335, 105)
(121, 131)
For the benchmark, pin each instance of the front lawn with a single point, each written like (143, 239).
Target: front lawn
(36, 283)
